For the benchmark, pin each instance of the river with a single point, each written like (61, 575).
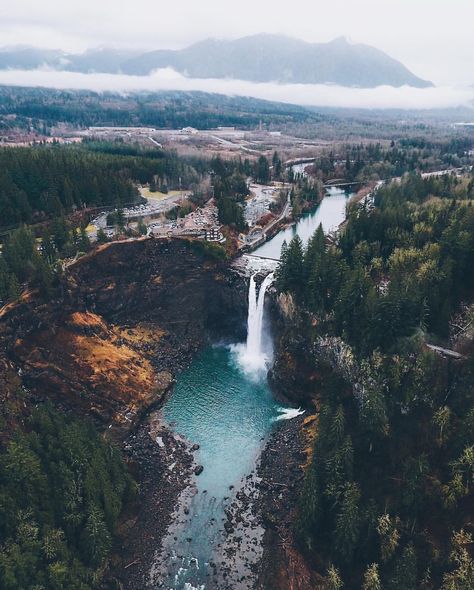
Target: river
(223, 403)
(331, 212)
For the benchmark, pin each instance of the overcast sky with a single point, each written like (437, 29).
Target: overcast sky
(434, 38)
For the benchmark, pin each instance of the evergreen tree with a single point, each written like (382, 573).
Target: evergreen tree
(290, 272)
(101, 236)
(262, 170)
(372, 578)
(4, 279)
(19, 252)
(142, 228)
(405, 571)
(120, 220)
(276, 162)
(60, 232)
(333, 579)
(84, 241)
(47, 247)
(315, 272)
(13, 288)
(347, 524)
(43, 275)
(462, 576)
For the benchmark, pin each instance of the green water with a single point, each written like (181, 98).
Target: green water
(228, 413)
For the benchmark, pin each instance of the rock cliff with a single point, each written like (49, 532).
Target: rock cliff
(129, 315)
(295, 374)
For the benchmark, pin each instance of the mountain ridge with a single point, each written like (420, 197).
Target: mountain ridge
(257, 58)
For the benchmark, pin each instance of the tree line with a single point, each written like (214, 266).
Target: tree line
(45, 108)
(374, 161)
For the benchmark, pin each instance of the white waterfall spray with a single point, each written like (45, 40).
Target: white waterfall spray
(252, 313)
(251, 356)
(255, 316)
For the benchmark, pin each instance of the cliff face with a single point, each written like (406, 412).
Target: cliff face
(294, 374)
(131, 314)
(172, 282)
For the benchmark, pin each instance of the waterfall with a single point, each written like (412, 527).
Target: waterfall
(251, 356)
(255, 316)
(251, 316)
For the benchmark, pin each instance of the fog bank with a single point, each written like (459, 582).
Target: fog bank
(301, 94)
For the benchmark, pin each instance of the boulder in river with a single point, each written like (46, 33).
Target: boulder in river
(198, 470)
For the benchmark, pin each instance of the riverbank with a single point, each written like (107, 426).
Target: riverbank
(330, 212)
(281, 471)
(286, 219)
(261, 515)
(162, 464)
(256, 549)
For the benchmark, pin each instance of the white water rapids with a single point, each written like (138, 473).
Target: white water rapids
(288, 413)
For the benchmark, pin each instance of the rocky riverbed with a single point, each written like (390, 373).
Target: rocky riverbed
(162, 463)
(256, 550)
(260, 515)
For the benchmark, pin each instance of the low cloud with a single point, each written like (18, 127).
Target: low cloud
(303, 94)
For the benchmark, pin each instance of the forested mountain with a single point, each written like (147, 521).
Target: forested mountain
(258, 58)
(387, 501)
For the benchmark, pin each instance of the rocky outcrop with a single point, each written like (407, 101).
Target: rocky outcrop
(129, 316)
(83, 360)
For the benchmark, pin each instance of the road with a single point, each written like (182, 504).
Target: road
(284, 214)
